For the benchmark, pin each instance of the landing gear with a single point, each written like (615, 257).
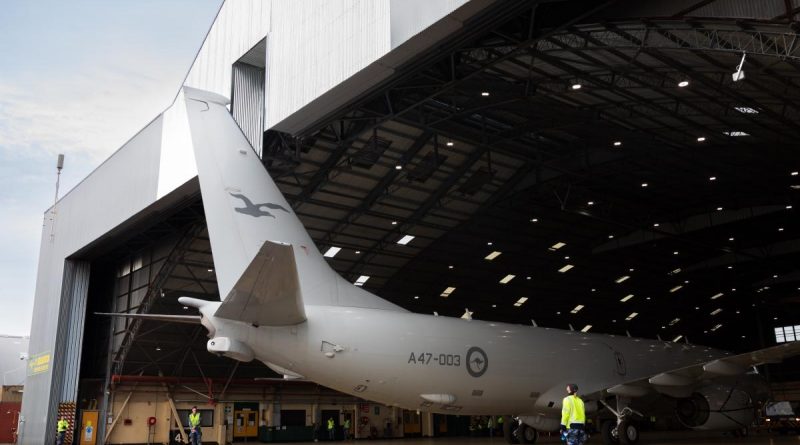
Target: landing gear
(624, 431)
(509, 430)
(527, 434)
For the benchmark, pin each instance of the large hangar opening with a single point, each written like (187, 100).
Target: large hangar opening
(594, 168)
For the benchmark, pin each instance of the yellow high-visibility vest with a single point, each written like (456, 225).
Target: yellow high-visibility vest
(330, 424)
(63, 425)
(194, 420)
(572, 411)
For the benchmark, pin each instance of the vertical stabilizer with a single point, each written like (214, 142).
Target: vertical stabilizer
(245, 209)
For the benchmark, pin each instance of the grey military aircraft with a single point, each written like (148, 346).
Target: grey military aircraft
(285, 306)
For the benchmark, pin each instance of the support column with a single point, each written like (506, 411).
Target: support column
(427, 424)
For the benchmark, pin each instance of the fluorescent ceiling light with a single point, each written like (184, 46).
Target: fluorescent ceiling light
(332, 251)
(644, 184)
(576, 86)
(631, 316)
(398, 167)
(735, 133)
(677, 338)
(626, 298)
(701, 139)
(715, 296)
(795, 173)
(557, 246)
(566, 268)
(521, 301)
(683, 83)
(617, 143)
(674, 321)
(449, 143)
(716, 327)
(676, 271)
(484, 93)
(676, 288)
(406, 239)
(507, 278)
(394, 223)
(361, 280)
(534, 219)
(447, 292)
(622, 278)
(716, 311)
(746, 110)
(577, 309)
(493, 255)
(586, 328)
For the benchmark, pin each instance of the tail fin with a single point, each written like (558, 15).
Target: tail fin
(245, 210)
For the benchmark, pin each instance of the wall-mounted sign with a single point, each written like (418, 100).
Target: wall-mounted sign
(39, 363)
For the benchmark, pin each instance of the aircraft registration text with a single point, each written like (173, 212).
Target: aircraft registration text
(427, 358)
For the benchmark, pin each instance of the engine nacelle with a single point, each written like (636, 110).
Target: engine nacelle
(716, 407)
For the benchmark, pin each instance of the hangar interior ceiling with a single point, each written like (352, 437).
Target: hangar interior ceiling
(576, 163)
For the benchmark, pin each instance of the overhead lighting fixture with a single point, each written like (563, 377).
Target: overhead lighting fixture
(507, 278)
(416, 297)
(610, 236)
(631, 316)
(735, 134)
(719, 209)
(780, 229)
(712, 178)
(674, 321)
(789, 207)
(719, 325)
(683, 83)
(576, 86)
(361, 280)
(717, 295)
(566, 268)
(493, 255)
(676, 253)
(450, 266)
(332, 251)
(656, 224)
(716, 311)
(676, 271)
(739, 73)
(521, 301)
(394, 223)
(730, 267)
(590, 203)
(489, 243)
(731, 239)
(577, 309)
(449, 143)
(644, 184)
(794, 173)
(446, 293)
(586, 328)
(626, 298)
(533, 220)
(528, 278)
(746, 110)
(406, 239)
(557, 246)
(674, 340)
(485, 93)
(211, 270)
(358, 252)
(622, 279)
(398, 167)
(701, 139)
(676, 288)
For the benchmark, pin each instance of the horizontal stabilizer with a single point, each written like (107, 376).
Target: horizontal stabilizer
(268, 292)
(191, 319)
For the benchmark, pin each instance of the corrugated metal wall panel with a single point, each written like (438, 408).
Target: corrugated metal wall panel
(239, 26)
(78, 290)
(247, 104)
(123, 185)
(314, 46)
(409, 17)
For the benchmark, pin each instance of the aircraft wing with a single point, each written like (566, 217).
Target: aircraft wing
(679, 382)
(268, 292)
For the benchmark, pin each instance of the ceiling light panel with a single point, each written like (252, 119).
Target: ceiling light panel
(577, 309)
(493, 255)
(566, 268)
(446, 293)
(631, 316)
(676, 288)
(507, 278)
(406, 239)
(332, 251)
(626, 298)
(557, 246)
(586, 328)
(361, 280)
(521, 301)
(622, 279)
(717, 295)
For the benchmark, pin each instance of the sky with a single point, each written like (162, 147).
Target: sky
(79, 78)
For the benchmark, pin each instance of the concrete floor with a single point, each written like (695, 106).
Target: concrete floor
(679, 438)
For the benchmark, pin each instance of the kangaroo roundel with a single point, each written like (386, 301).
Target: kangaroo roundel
(477, 361)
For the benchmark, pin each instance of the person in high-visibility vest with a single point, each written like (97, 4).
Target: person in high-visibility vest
(573, 417)
(195, 435)
(331, 429)
(61, 430)
(346, 429)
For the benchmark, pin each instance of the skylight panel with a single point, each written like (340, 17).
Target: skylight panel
(361, 280)
(622, 279)
(717, 295)
(406, 239)
(557, 246)
(332, 251)
(626, 298)
(586, 328)
(521, 301)
(631, 316)
(716, 311)
(493, 255)
(676, 288)
(446, 293)
(577, 309)
(507, 278)
(566, 268)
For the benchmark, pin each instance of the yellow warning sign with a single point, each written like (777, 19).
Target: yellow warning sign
(39, 363)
